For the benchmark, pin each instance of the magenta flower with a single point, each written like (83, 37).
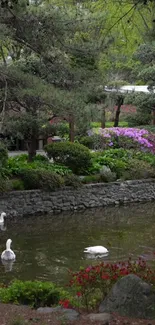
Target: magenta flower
(140, 138)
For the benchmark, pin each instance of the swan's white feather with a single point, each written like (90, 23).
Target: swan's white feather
(96, 250)
(8, 255)
(3, 214)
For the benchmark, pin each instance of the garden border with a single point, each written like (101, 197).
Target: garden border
(33, 202)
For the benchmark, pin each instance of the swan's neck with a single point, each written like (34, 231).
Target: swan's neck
(1, 218)
(8, 244)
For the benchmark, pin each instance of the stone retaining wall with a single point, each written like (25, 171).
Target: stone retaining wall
(88, 196)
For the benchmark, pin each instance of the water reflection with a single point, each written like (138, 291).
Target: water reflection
(96, 256)
(3, 227)
(7, 265)
(46, 247)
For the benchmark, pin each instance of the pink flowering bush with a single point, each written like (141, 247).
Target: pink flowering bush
(127, 138)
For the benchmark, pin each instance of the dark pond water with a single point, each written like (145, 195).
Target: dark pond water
(46, 247)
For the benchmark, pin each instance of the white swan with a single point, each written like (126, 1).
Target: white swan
(3, 214)
(8, 254)
(96, 250)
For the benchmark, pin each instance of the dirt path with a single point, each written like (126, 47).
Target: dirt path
(9, 314)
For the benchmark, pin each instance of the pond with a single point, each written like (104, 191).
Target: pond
(47, 246)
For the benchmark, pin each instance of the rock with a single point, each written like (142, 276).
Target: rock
(105, 169)
(67, 314)
(131, 297)
(47, 310)
(107, 175)
(70, 314)
(104, 318)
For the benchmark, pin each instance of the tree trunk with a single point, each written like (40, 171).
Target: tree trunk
(118, 110)
(103, 118)
(32, 149)
(3, 56)
(153, 116)
(71, 129)
(2, 115)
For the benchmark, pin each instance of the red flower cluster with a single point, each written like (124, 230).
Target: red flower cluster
(65, 303)
(104, 275)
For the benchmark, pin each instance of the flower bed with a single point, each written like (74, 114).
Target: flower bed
(127, 138)
(90, 285)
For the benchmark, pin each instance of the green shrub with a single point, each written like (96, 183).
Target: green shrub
(138, 170)
(148, 157)
(91, 179)
(3, 155)
(95, 142)
(4, 185)
(30, 179)
(75, 156)
(138, 119)
(116, 165)
(33, 293)
(50, 181)
(40, 179)
(127, 164)
(17, 184)
(72, 180)
(59, 129)
(41, 158)
(99, 178)
(87, 142)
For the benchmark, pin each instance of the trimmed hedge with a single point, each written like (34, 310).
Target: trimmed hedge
(72, 180)
(40, 179)
(73, 155)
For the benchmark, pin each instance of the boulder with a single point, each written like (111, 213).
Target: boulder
(48, 310)
(106, 174)
(103, 318)
(70, 314)
(131, 297)
(64, 313)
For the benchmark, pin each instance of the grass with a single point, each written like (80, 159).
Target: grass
(109, 124)
(150, 128)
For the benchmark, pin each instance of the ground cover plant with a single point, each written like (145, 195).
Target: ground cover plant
(20, 162)
(126, 164)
